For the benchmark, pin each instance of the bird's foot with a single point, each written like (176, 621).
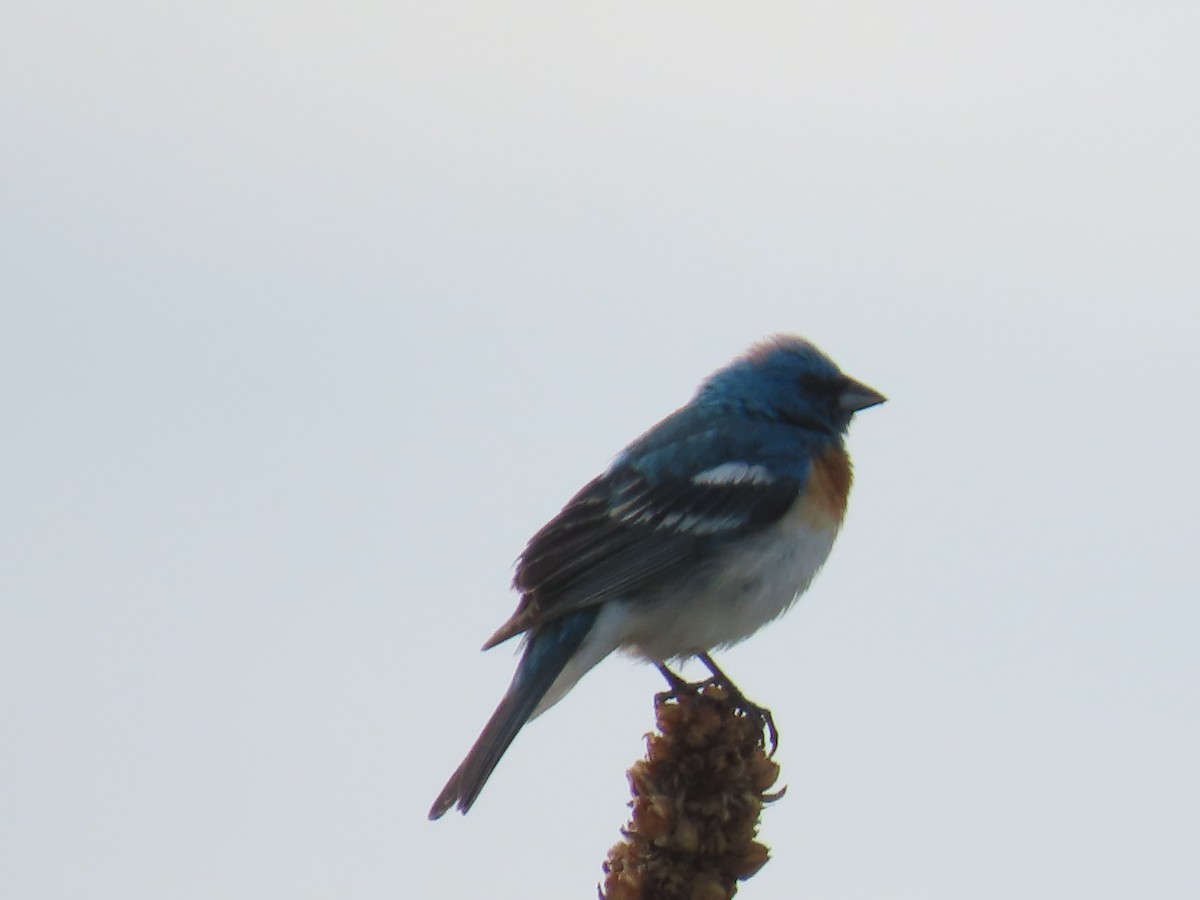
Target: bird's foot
(676, 686)
(760, 714)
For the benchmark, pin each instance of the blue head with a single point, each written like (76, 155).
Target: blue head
(787, 379)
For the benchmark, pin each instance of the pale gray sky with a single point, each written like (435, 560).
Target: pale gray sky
(313, 313)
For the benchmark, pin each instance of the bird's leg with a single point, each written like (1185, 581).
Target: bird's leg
(675, 683)
(760, 713)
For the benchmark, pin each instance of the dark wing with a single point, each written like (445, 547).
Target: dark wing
(626, 532)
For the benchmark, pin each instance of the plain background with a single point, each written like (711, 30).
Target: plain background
(314, 312)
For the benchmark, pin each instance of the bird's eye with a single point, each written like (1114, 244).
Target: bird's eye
(811, 383)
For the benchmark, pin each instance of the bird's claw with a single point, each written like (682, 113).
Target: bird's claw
(760, 714)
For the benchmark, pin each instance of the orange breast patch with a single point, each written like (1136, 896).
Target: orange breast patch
(827, 488)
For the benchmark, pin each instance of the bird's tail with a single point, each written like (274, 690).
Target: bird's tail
(547, 653)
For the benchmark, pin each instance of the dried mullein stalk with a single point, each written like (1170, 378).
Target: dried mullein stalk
(696, 800)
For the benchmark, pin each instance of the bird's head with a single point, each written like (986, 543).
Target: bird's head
(787, 379)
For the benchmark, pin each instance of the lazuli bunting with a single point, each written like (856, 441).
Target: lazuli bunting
(700, 532)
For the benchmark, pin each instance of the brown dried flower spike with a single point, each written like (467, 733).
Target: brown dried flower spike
(696, 800)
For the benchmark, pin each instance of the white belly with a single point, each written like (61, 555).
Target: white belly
(761, 580)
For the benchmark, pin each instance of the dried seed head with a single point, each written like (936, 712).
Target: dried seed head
(696, 800)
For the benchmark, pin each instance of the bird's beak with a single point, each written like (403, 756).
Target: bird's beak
(857, 396)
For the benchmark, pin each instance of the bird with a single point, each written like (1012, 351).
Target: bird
(702, 530)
